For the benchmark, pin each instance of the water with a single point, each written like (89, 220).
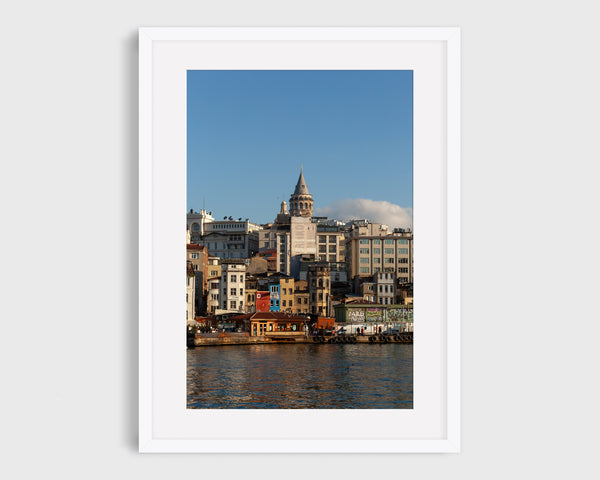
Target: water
(301, 376)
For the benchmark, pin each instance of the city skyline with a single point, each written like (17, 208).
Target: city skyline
(249, 132)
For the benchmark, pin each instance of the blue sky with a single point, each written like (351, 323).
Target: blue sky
(249, 132)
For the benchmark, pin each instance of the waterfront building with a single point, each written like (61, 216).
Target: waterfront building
(278, 325)
(196, 222)
(319, 285)
(190, 294)
(362, 312)
(231, 239)
(370, 249)
(233, 283)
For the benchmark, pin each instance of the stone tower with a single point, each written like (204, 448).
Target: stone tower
(301, 202)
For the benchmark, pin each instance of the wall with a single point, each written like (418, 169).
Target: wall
(530, 166)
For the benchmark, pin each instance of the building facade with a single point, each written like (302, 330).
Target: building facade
(233, 283)
(367, 255)
(196, 222)
(231, 239)
(319, 285)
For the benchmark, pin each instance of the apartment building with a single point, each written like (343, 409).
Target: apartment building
(233, 284)
(367, 255)
(231, 239)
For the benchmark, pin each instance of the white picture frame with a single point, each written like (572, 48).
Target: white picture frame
(433, 425)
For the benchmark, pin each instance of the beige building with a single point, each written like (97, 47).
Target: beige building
(213, 284)
(319, 288)
(286, 292)
(368, 254)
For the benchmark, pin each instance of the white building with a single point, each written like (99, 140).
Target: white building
(385, 284)
(196, 222)
(233, 282)
(231, 239)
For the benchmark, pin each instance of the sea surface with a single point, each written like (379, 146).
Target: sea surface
(301, 376)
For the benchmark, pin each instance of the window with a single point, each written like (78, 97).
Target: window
(388, 260)
(241, 291)
(323, 248)
(322, 239)
(284, 291)
(214, 285)
(363, 250)
(402, 251)
(322, 258)
(364, 269)
(233, 292)
(388, 241)
(404, 279)
(377, 250)
(364, 260)
(283, 303)
(376, 241)
(376, 269)
(363, 241)
(403, 270)
(233, 304)
(214, 273)
(195, 255)
(403, 260)
(388, 251)
(291, 303)
(331, 248)
(195, 227)
(403, 241)
(187, 297)
(377, 260)
(233, 278)
(332, 238)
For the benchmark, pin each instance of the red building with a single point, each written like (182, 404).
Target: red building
(263, 301)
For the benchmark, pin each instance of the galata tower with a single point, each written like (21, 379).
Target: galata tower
(301, 202)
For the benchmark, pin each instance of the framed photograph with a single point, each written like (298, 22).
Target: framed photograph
(300, 214)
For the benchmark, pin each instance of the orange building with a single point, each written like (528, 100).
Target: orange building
(277, 324)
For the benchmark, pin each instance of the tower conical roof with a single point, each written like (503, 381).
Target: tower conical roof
(301, 188)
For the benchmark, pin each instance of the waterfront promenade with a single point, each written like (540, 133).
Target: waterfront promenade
(220, 339)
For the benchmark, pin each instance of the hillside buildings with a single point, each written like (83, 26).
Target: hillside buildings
(299, 264)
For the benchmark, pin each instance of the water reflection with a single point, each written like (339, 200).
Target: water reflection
(301, 376)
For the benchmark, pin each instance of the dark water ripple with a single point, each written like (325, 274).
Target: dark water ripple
(301, 376)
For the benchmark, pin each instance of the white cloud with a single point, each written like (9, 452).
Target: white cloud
(392, 215)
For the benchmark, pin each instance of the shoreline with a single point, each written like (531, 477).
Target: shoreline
(204, 341)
